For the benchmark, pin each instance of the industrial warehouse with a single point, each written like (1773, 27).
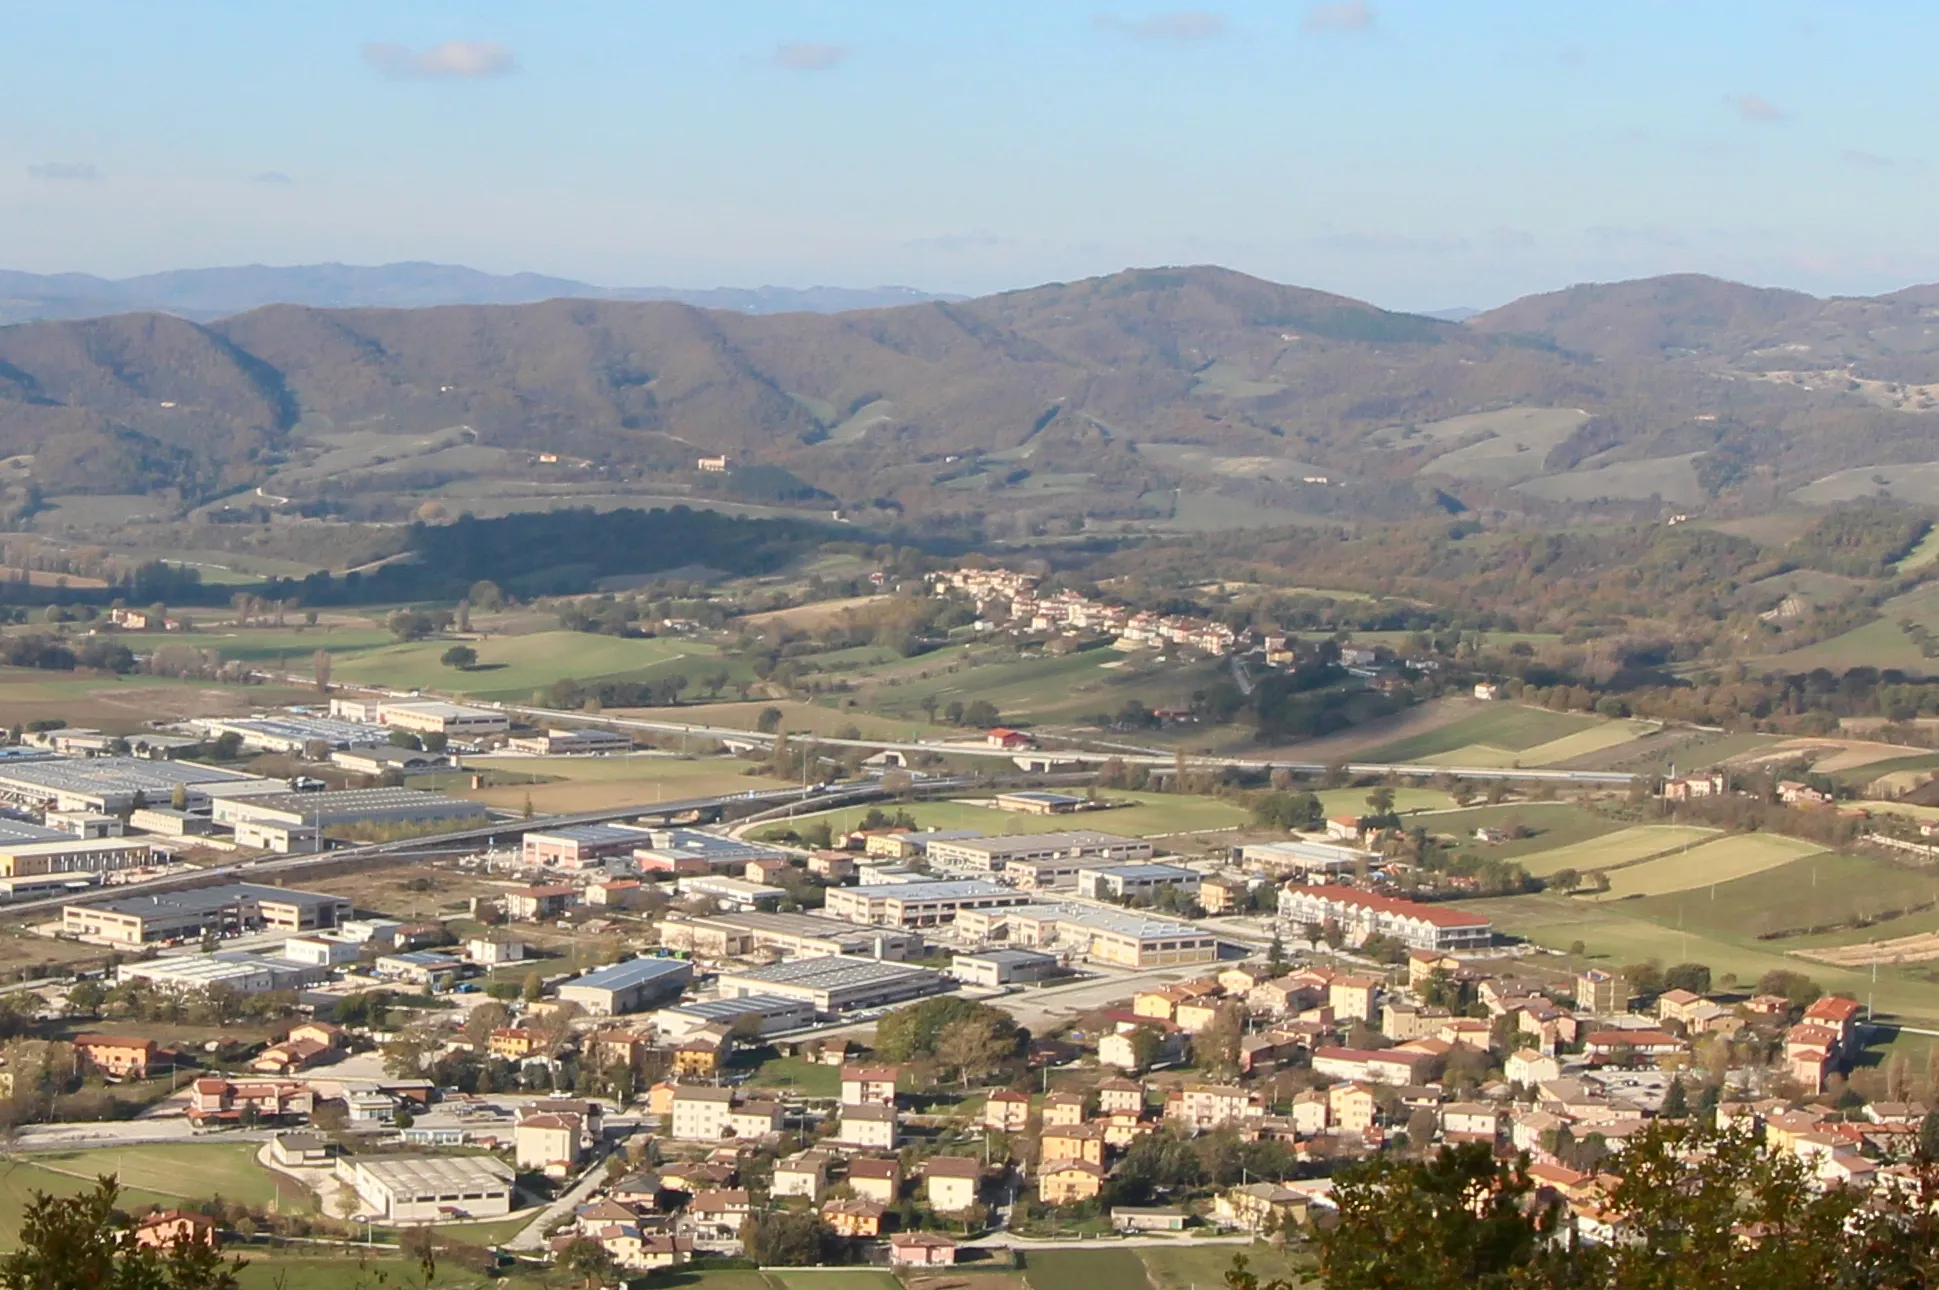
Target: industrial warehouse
(994, 855)
(918, 904)
(626, 987)
(241, 906)
(801, 935)
(835, 986)
(295, 822)
(114, 785)
(1117, 938)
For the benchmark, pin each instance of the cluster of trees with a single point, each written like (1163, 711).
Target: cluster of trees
(662, 692)
(58, 654)
(1699, 1208)
(972, 1041)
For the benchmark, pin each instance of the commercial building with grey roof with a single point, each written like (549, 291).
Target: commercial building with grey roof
(112, 785)
(836, 985)
(631, 986)
(236, 906)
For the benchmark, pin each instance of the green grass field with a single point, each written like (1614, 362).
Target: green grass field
(1553, 825)
(1082, 1269)
(834, 1279)
(1720, 861)
(512, 667)
(1509, 726)
(1625, 846)
(1815, 891)
(797, 1075)
(1407, 800)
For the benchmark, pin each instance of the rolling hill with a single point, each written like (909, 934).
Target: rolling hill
(1134, 397)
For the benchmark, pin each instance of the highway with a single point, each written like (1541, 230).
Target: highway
(1151, 757)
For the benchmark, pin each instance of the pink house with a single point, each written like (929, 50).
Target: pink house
(923, 1249)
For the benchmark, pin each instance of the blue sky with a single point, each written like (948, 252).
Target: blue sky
(1418, 153)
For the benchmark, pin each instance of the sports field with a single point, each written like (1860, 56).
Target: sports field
(1508, 727)
(1623, 847)
(150, 1174)
(1713, 862)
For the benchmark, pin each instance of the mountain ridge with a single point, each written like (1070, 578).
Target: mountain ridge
(1116, 397)
(209, 294)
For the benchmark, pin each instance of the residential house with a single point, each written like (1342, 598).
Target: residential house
(1259, 1207)
(1007, 1112)
(1083, 1142)
(549, 1143)
(857, 1218)
(951, 1183)
(1069, 1182)
(1353, 996)
(871, 1127)
(876, 1180)
(718, 1214)
(117, 1055)
(803, 1174)
(921, 1249)
(169, 1228)
(216, 1100)
(1352, 1107)
(1203, 1106)
(1064, 1109)
(1527, 1066)
(869, 1085)
(1119, 1094)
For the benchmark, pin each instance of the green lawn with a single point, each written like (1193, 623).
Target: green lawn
(1625, 846)
(1204, 1267)
(834, 1279)
(1510, 726)
(810, 1079)
(1082, 1269)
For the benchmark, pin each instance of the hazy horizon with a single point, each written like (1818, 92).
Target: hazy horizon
(1420, 156)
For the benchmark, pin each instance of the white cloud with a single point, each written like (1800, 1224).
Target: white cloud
(81, 171)
(1346, 15)
(810, 56)
(1177, 26)
(1752, 108)
(1867, 160)
(271, 177)
(446, 60)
